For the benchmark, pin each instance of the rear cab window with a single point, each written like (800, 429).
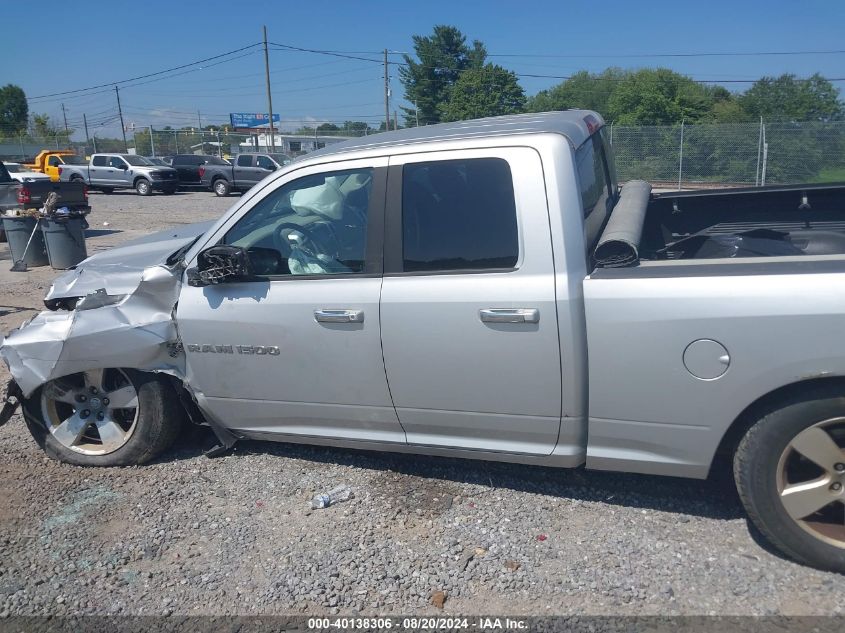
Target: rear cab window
(595, 188)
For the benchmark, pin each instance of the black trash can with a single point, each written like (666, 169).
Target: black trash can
(65, 239)
(18, 231)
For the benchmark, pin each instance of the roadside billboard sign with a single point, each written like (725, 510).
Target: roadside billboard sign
(251, 119)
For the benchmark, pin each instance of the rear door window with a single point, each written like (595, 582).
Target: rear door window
(458, 215)
(100, 161)
(244, 160)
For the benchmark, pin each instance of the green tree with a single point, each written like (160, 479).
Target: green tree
(42, 126)
(786, 98)
(14, 111)
(442, 57)
(658, 97)
(590, 91)
(328, 127)
(481, 92)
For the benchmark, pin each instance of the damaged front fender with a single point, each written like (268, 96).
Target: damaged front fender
(121, 326)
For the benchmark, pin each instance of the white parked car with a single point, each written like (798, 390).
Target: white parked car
(20, 173)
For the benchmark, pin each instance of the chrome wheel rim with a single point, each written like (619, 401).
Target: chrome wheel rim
(143, 188)
(811, 480)
(93, 412)
(220, 187)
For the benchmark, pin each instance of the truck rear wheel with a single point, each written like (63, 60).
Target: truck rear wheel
(144, 187)
(790, 473)
(105, 417)
(221, 187)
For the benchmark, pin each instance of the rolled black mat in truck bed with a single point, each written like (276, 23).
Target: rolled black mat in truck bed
(620, 241)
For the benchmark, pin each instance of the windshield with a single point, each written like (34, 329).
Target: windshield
(157, 161)
(14, 168)
(73, 160)
(138, 161)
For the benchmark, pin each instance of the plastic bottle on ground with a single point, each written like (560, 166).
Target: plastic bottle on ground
(333, 496)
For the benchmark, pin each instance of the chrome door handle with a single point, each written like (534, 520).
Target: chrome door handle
(339, 316)
(516, 315)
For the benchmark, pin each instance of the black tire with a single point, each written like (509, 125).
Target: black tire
(757, 464)
(160, 420)
(168, 192)
(221, 187)
(144, 187)
(77, 178)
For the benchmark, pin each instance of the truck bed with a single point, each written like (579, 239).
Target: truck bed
(790, 220)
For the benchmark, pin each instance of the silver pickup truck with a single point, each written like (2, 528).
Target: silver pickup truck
(479, 289)
(108, 172)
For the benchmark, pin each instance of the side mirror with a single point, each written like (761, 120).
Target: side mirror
(124, 166)
(270, 167)
(220, 264)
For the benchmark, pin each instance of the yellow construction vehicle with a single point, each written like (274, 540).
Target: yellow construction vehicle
(48, 161)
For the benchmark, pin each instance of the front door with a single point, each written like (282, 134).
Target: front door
(297, 350)
(469, 321)
(117, 173)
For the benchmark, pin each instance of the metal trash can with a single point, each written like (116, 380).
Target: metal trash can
(65, 240)
(18, 230)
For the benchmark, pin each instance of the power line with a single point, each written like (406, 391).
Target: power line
(160, 72)
(323, 52)
(641, 55)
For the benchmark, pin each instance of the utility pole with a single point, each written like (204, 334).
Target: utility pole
(64, 114)
(386, 95)
(122, 125)
(152, 142)
(269, 93)
(395, 121)
(199, 121)
(417, 113)
(85, 122)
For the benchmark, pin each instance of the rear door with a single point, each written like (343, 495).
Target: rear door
(469, 322)
(98, 170)
(244, 170)
(187, 168)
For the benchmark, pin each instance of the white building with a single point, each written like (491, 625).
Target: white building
(291, 144)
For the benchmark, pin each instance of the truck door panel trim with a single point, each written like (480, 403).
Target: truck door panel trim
(733, 268)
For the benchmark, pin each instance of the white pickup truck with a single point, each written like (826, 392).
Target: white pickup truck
(479, 289)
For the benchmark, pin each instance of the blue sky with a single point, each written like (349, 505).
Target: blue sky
(71, 45)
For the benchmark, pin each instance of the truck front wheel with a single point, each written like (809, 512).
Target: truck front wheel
(143, 187)
(104, 417)
(221, 187)
(790, 473)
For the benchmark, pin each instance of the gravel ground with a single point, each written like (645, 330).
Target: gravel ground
(235, 535)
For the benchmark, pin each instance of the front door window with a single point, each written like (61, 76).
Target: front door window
(316, 225)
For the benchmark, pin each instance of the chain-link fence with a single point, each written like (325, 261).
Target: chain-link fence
(163, 142)
(739, 153)
(24, 147)
(676, 156)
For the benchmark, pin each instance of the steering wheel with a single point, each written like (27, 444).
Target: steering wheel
(303, 238)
